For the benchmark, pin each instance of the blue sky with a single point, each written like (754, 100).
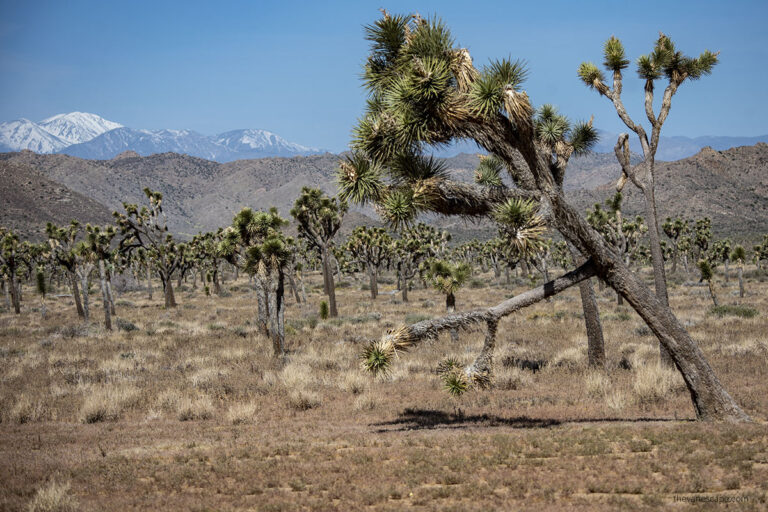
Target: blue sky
(293, 67)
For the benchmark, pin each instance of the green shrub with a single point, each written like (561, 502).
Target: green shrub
(412, 318)
(733, 310)
(125, 325)
(324, 312)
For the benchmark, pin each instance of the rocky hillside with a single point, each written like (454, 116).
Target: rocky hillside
(29, 200)
(730, 186)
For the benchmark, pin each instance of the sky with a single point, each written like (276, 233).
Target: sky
(294, 67)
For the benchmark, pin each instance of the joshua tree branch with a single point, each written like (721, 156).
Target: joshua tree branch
(409, 336)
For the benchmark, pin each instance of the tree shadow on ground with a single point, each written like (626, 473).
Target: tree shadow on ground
(425, 419)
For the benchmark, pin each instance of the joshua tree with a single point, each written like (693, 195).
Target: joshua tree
(702, 236)
(424, 91)
(145, 228)
(371, 248)
(15, 258)
(739, 256)
(208, 256)
(99, 242)
(42, 288)
(761, 251)
(677, 230)
(416, 244)
(624, 235)
(62, 242)
(255, 243)
(319, 219)
(663, 62)
(721, 253)
(447, 279)
(707, 275)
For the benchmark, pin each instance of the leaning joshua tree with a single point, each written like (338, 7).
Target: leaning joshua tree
(62, 242)
(319, 219)
(424, 91)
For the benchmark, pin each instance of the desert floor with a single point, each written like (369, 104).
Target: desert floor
(185, 409)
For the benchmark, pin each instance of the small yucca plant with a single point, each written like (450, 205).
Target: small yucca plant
(455, 382)
(324, 310)
(377, 357)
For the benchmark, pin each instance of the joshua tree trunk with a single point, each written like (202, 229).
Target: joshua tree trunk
(372, 278)
(741, 281)
(110, 295)
(76, 294)
(524, 268)
(105, 296)
(276, 316)
(84, 288)
(262, 307)
(595, 340)
(710, 400)
(6, 293)
(450, 307)
(330, 288)
(149, 282)
(294, 289)
(657, 257)
(727, 277)
(15, 299)
(170, 298)
(404, 289)
(712, 292)
(216, 283)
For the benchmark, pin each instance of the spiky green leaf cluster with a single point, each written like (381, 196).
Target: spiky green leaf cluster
(666, 60)
(521, 225)
(488, 172)
(590, 74)
(706, 270)
(455, 382)
(376, 358)
(613, 51)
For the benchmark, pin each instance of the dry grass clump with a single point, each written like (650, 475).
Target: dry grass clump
(748, 347)
(53, 497)
(107, 403)
(654, 383)
(366, 402)
(240, 413)
(511, 378)
(354, 382)
(597, 384)
(303, 400)
(570, 358)
(27, 410)
(616, 400)
(635, 355)
(194, 408)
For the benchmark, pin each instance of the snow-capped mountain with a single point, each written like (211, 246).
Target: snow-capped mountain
(77, 127)
(262, 142)
(25, 134)
(53, 134)
(233, 145)
(90, 136)
(145, 142)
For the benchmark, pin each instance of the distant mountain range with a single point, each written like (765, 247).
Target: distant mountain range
(95, 138)
(731, 187)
